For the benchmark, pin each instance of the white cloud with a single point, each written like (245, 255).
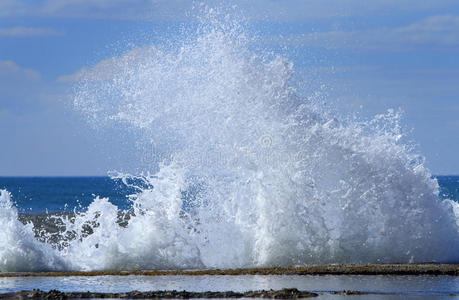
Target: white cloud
(20, 88)
(439, 32)
(11, 7)
(28, 31)
(103, 9)
(296, 10)
(286, 10)
(100, 71)
(108, 68)
(10, 70)
(436, 30)
(23, 90)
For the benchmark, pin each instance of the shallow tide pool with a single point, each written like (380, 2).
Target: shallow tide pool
(401, 287)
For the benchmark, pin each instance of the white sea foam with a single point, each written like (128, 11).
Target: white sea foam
(19, 250)
(250, 173)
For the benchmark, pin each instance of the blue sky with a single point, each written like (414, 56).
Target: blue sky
(366, 56)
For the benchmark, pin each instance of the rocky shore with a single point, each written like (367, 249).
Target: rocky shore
(269, 294)
(54, 294)
(368, 269)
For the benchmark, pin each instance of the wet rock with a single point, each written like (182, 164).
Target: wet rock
(367, 269)
(349, 293)
(54, 294)
(280, 294)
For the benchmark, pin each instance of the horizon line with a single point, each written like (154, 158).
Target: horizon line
(76, 176)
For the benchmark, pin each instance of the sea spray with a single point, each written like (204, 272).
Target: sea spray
(19, 249)
(246, 171)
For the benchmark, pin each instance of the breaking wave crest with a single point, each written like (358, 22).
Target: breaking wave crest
(247, 172)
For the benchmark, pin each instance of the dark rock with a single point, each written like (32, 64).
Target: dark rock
(348, 292)
(54, 294)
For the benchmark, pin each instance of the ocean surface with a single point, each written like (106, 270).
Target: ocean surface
(39, 195)
(390, 287)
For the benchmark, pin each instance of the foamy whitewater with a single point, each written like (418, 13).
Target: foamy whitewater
(247, 173)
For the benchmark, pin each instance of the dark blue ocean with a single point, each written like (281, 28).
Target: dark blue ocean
(58, 194)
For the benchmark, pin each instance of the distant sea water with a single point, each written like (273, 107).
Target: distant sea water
(37, 195)
(449, 187)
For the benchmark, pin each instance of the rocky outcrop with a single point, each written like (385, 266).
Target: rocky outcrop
(54, 294)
